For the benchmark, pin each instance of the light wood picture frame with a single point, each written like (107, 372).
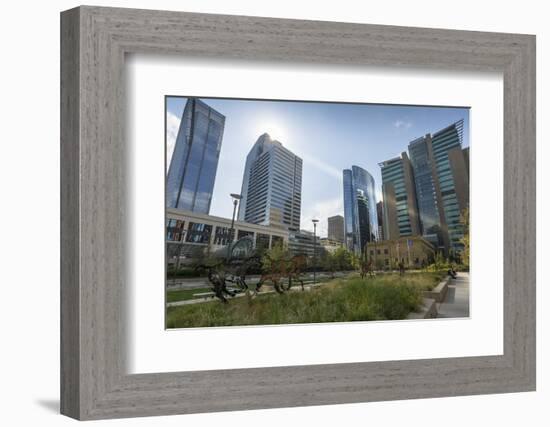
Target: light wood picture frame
(94, 42)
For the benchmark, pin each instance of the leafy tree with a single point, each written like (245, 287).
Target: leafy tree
(343, 259)
(465, 221)
(327, 262)
(440, 261)
(273, 257)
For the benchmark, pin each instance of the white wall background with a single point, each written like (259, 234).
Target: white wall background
(29, 212)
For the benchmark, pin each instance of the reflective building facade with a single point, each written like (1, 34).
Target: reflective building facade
(427, 194)
(453, 181)
(192, 171)
(400, 209)
(360, 217)
(272, 186)
(441, 176)
(431, 225)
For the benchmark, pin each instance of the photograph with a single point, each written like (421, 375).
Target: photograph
(297, 212)
(265, 213)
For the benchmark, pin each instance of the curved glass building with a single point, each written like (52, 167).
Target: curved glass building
(360, 216)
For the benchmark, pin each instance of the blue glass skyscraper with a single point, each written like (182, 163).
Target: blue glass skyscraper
(360, 217)
(427, 194)
(192, 171)
(441, 181)
(421, 154)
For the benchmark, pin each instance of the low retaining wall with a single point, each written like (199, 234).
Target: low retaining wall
(427, 311)
(440, 291)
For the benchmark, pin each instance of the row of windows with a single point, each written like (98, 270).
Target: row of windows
(287, 154)
(389, 176)
(254, 206)
(201, 233)
(445, 143)
(288, 166)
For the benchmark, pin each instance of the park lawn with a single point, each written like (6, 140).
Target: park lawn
(384, 297)
(184, 294)
(426, 281)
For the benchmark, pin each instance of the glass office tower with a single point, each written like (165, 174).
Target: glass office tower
(427, 194)
(349, 210)
(420, 151)
(272, 186)
(400, 209)
(449, 160)
(192, 171)
(360, 217)
(441, 176)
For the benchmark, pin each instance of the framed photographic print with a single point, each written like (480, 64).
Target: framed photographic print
(262, 213)
(305, 216)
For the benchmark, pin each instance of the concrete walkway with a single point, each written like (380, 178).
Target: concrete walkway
(457, 301)
(202, 282)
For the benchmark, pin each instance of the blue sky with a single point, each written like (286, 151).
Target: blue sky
(329, 137)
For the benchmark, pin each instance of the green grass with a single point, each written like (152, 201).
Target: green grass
(426, 281)
(385, 297)
(184, 294)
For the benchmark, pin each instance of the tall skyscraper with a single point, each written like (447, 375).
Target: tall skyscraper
(272, 185)
(398, 192)
(441, 176)
(336, 228)
(192, 171)
(432, 222)
(360, 220)
(451, 167)
(426, 194)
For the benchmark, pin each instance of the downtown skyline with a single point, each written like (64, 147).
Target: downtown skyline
(329, 137)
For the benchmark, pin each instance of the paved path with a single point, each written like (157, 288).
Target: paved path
(297, 287)
(202, 282)
(457, 301)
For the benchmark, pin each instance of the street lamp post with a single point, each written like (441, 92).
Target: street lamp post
(314, 221)
(236, 198)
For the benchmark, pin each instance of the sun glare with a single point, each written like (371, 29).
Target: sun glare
(274, 129)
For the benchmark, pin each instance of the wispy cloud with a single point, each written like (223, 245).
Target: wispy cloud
(322, 166)
(321, 211)
(172, 126)
(402, 124)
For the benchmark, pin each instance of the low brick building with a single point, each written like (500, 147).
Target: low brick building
(413, 252)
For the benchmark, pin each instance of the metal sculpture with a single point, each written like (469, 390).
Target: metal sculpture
(366, 269)
(290, 269)
(228, 275)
